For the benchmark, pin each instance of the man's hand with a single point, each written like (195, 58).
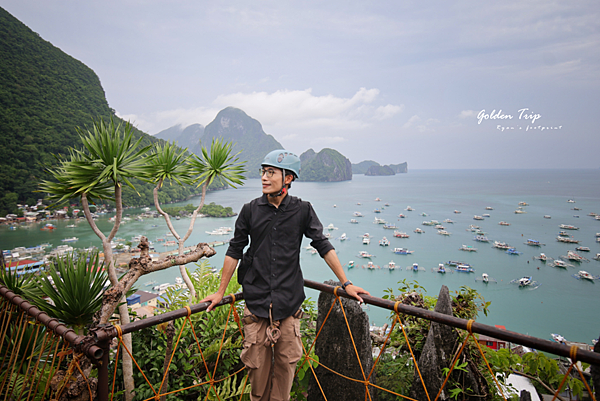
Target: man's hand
(354, 290)
(214, 299)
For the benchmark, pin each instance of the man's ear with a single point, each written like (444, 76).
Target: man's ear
(288, 179)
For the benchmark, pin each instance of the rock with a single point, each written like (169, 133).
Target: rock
(440, 346)
(525, 395)
(335, 350)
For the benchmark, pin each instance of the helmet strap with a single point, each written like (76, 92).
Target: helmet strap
(283, 189)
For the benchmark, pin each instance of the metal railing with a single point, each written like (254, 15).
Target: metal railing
(96, 345)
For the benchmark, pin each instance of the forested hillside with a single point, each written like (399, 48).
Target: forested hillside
(44, 95)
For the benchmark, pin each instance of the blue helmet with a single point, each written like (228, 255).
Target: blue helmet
(283, 159)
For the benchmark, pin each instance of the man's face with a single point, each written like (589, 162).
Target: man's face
(271, 179)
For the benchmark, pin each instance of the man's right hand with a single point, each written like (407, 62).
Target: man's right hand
(214, 299)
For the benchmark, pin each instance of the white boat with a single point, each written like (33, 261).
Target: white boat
(501, 245)
(392, 265)
(72, 239)
(481, 238)
(149, 283)
(331, 227)
(457, 211)
(378, 221)
(485, 215)
(520, 211)
(178, 280)
(443, 232)
(415, 267)
(525, 281)
(504, 223)
(485, 278)
(370, 265)
(547, 216)
(401, 216)
(558, 338)
(402, 251)
(358, 214)
(343, 237)
(401, 234)
(467, 248)
(161, 287)
(384, 242)
(476, 217)
(585, 275)
(419, 230)
(389, 226)
(364, 254)
(409, 209)
(353, 221)
(568, 227)
(366, 240)
(523, 203)
(574, 256)
(570, 201)
(543, 257)
(582, 249)
(441, 268)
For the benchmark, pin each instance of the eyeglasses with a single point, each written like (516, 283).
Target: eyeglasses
(264, 171)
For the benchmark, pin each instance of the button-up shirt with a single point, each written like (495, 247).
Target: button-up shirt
(275, 276)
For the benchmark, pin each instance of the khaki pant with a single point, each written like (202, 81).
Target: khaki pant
(271, 382)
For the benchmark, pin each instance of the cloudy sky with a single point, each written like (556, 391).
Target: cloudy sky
(391, 81)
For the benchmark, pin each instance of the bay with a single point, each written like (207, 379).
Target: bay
(561, 304)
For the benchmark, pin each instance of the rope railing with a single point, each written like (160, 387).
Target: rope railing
(97, 344)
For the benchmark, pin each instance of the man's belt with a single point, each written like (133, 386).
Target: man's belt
(253, 319)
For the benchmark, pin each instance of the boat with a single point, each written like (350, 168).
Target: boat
(464, 268)
(513, 251)
(533, 242)
(582, 249)
(401, 216)
(485, 215)
(481, 238)
(561, 264)
(343, 237)
(384, 242)
(392, 265)
(449, 221)
(504, 223)
(457, 211)
(350, 264)
(501, 245)
(520, 211)
(423, 214)
(170, 243)
(161, 287)
(570, 201)
(358, 214)
(567, 240)
(473, 227)
(597, 257)
(72, 239)
(439, 227)
(525, 281)
(419, 230)
(217, 231)
(489, 208)
(378, 221)
(364, 254)
(547, 216)
(443, 232)
(454, 263)
(476, 217)
(402, 251)
(401, 234)
(582, 274)
(377, 200)
(377, 210)
(441, 268)
(178, 280)
(370, 265)
(563, 234)
(523, 203)
(409, 209)
(149, 283)
(543, 257)
(353, 221)
(467, 248)
(327, 235)
(485, 278)
(71, 226)
(389, 226)
(415, 267)
(331, 227)
(428, 223)
(568, 227)
(366, 240)
(574, 256)
(558, 338)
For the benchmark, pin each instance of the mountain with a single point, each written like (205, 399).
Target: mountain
(188, 137)
(362, 167)
(44, 95)
(379, 170)
(247, 135)
(326, 166)
(370, 167)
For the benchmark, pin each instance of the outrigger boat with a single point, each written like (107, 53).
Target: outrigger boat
(504, 223)
(370, 266)
(441, 269)
(526, 281)
(415, 267)
(443, 232)
(568, 227)
(392, 266)
(582, 274)
(366, 240)
(561, 264)
(400, 234)
(533, 242)
(464, 268)
(543, 257)
(419, 230)
(481, 238)
(402, 251)
(389, 226)
(343, 237)
(513, 251)
(467, 248)
(574, 256)
(501, 245)
(486, 279)
(353, 221)
(364, 254)
(358, 214)
(567, 240)
(384, 242)
(349, 265)
(454, 263)
(582, 249)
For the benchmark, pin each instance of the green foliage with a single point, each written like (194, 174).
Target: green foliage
(308, 330)
(75, 287)
(394, 371)
(210, 210)
(327, 165)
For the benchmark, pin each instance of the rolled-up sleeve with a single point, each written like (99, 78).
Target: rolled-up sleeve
(240, 235)
(314, 231)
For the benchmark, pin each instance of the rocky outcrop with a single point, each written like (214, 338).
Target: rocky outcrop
(440, 347)
(380, 170)
(335, 350)
(326, 166)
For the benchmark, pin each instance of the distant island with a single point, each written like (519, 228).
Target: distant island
(370, 167)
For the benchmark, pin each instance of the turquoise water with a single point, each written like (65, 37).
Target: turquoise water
(561, 304)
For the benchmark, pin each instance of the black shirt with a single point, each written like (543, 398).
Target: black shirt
(275, 276)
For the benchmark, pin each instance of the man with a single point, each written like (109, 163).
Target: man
(273, 285)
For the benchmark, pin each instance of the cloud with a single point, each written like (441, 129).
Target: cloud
(302, 109)
(467, 114)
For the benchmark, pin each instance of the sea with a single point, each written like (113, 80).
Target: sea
(559, 303)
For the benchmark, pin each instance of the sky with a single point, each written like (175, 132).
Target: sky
(438, 84)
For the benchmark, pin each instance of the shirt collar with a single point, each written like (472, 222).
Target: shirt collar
(264, 200)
